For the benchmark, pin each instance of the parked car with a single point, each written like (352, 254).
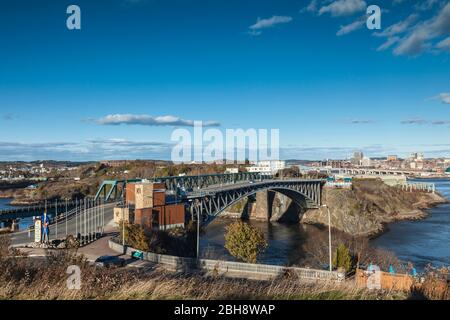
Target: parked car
(109, 261)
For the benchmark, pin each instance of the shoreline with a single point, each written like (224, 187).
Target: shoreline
(420, 213)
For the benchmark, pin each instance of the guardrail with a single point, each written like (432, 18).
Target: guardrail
(338, 185)
(183, 263)
(418, 186)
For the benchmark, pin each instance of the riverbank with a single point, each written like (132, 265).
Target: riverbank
(370, 206)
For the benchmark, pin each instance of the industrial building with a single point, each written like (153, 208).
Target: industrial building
(146, 205)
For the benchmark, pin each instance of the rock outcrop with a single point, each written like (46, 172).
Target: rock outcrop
(364, 210)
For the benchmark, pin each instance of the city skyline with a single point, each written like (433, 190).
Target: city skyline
(138, 69)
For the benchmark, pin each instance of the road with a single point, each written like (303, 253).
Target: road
(82, 222)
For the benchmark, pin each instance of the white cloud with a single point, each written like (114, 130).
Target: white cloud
(444, 44)
(127, 143)
(414, 121)
(443, 97)
(346, 29)
(420, 38)
(313, 6)
(421, 121)
(341, 8)
(425, 5)
(398, 28)
(146, 120)
(389, 42)
(255, 29)
(361, 121)
(94, 149)
(413, 44)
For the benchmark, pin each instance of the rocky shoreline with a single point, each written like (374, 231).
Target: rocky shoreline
(367, 213)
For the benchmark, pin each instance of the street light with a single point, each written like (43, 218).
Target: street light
(329, 236)
(198, 235)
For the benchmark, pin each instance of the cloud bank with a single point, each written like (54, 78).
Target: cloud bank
(147, 120)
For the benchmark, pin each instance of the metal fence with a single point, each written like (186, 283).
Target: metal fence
(85, 222)
(418, 186)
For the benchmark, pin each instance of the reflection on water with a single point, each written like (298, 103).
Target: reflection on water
(287, 243)
(421, 242)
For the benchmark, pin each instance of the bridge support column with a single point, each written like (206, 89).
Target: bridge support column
(263, 209)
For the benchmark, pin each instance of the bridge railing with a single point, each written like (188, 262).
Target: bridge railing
(85, 222)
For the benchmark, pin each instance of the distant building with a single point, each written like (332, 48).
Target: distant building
(357, 158)
(415, 156)
(232, 170)
(392, 158)
(366, 162)
(417, 165)
(114, 163)
(268, 166)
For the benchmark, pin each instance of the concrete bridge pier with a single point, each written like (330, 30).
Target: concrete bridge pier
(263, 206)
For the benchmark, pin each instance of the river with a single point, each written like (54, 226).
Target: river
(423, 241)
(5, 203)
(420, 242)
(23, 223)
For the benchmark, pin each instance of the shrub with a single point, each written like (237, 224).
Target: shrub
(244, 242)
(134, 236)
(342, 258)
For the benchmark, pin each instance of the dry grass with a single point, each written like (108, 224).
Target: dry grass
(26, 278)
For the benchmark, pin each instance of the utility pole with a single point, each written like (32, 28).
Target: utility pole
(66, 218)
(198, 233)
(76, 220)
(84, 224)
(123, 225)
(56, 218)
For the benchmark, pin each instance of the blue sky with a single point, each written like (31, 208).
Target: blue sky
(309, 68)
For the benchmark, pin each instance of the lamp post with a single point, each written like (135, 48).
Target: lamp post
(198, 235)
(329, 237)
(123, 225)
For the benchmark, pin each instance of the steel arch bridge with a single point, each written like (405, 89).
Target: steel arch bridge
(209, 203)
(112, 189)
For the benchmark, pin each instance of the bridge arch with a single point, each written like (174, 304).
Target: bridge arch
(209, 205)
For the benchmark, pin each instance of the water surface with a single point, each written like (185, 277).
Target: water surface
(421, 242)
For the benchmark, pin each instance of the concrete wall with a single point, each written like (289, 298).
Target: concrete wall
(224, 267)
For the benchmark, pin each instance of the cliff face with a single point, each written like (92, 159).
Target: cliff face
(364, 210)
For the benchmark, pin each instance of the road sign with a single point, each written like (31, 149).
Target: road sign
(37, 230)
